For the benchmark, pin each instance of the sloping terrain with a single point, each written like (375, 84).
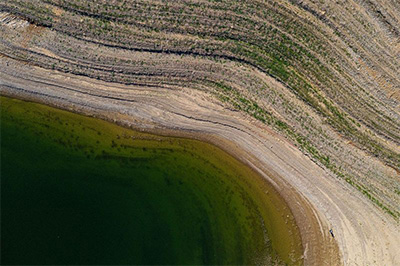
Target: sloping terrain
(325, 75)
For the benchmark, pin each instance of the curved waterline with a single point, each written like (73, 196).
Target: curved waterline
(112, 195)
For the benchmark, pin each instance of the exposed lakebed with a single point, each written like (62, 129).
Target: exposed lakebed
(79, 190)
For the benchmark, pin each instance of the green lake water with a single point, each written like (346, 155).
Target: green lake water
(79, 190)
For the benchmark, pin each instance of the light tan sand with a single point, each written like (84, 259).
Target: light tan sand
(364, 235)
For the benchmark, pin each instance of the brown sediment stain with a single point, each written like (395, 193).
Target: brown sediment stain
(58, 12)
(382, 81)
(30, 32)
(364, 86)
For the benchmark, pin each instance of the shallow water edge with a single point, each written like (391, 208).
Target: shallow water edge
(278, 219)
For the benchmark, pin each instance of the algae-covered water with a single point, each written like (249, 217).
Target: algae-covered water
(78, 190)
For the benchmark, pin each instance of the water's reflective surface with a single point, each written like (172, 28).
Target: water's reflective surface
(77, 190)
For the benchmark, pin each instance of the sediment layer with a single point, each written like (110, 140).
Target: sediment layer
(273, 77)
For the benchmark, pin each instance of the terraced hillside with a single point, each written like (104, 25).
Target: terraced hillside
(323, 74)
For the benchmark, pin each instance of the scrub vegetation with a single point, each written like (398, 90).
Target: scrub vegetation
(323, 73)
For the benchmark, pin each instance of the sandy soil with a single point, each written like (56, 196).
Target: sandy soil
(319, 201)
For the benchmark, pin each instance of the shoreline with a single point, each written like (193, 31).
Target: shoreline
(319, 201)
(283, 238)
(306, 218)
(303, 92)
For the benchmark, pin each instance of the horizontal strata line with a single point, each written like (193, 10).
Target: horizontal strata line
(31, 92)
(107, 97)
(109, 18)
(226, 57)
(83, 74)
(21, 15)
(28, 92)
(191, 53)
(232, 58)
(68, 89)
(207, 121)
(87, 65)
(188, 53)
(136, 84)
(156, 51)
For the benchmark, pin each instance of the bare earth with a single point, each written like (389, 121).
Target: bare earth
(305, 92)
(319, 201)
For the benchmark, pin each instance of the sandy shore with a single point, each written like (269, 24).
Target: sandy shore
(364, 235)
